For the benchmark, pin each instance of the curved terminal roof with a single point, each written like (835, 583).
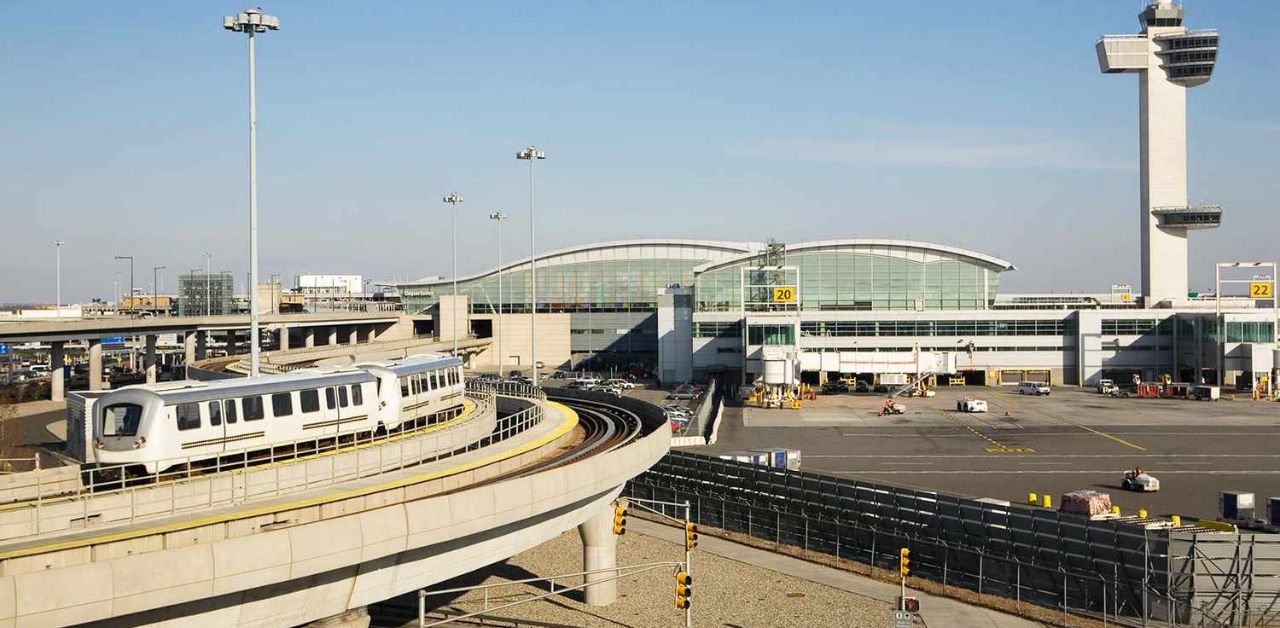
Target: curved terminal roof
(653, 248)
(896, 248)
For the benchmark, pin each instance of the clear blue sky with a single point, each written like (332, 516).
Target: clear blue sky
(984, 124)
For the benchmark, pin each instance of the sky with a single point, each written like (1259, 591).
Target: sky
(985, 125)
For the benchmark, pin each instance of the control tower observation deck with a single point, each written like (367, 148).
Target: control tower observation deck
(1168, 58)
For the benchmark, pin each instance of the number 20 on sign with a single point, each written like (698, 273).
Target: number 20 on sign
(1261, 289)
(784, 295)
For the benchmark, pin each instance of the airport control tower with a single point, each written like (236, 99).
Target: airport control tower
(1168, 58)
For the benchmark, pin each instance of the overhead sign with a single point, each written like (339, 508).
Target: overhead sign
(4, 349)
(784, 294)
(1261, 289)
(117, 340)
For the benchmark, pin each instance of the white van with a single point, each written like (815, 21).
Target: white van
(1033, 388)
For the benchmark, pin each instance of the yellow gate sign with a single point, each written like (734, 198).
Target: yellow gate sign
(784, 295)
(1261, 289)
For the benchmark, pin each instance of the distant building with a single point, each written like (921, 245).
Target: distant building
(201, 294)
(329, 284)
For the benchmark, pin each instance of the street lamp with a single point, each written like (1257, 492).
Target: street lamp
(155, 286)
(531, 154)
(252, 22)
(130, 258)
(453, 199)
(498, 217)
(58, 245)
(208, 291)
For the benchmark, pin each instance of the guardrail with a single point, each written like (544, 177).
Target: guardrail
(288, 468)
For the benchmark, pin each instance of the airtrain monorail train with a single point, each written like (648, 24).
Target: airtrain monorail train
(161, 426)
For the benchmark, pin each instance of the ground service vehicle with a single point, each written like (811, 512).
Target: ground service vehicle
(1033, 388)
(1137, 480)
(1105, 386)
(151, 428)
(971, 405)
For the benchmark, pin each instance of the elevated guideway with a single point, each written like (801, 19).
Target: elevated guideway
(294, 541)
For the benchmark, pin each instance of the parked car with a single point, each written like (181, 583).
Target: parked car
(489, 378)
(862, 386)
(1033, 388)
(682, 393)
(520, 379)
(835, 388)
(558, 375)
(620, 383)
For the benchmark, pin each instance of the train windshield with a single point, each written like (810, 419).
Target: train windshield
(121, 419)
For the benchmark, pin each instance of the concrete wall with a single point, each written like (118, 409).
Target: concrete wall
(553, 341)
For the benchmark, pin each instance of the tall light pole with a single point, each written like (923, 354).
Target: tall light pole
(58, 307)
(453, 199)
(130, 258)
(531, 154)
(155, 285)
(252, 22)
(208, 290)
(498, 217)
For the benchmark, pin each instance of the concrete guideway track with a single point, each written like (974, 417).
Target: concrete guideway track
(485, 493)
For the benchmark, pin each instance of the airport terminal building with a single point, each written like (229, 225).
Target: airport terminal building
(854, 307)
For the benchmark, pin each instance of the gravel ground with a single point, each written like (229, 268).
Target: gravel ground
(726, 593)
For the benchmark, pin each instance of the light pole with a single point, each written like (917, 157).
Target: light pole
(130, 258)
(498, 217)
(531, 154)
(155, 285)
(453, 199)
(58, 272)
(252, 22)
(208, 290)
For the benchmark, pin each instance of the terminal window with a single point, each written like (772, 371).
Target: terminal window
(771, 335)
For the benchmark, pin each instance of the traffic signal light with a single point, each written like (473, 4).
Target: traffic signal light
(684, 589)
(690, 536)
(904, 562)
(619, 520)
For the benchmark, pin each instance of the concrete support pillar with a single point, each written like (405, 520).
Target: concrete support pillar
(95, 364)
(189, 346)
(599, 551)
(149, 359)
(57, 370)
(353, 335)
(354, 618)
(309, 337)
(333, 336)
(284, 339)
(202, 345)
(232, 348)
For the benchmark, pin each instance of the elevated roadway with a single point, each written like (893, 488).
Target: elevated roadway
(303, 540)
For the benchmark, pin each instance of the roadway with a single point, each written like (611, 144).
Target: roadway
(1073, 439)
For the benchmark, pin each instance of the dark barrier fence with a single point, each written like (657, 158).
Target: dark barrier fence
(651, 416)
(1031, 555)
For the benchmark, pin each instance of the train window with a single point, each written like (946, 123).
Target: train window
(342, 396)
(230, 410)
(188, 415)
(415, 384)
(215, 413)
(404, 387)
(121, 419)
(281, 404)
(431, 377)
(252, 408)
(357, 394)
(309, 400)
(329, 399)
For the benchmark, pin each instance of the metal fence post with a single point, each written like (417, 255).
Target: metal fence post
(979, 573)
(946, 554)
(777, 530)
(1017, 587)
(1064, 600)
(837, 540)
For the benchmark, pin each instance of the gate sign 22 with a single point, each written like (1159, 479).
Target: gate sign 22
(784, 295)
(1261, 289)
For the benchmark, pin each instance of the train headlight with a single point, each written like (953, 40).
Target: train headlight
(139, 442)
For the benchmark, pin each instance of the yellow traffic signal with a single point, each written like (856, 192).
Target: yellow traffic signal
(684, 589)
(904, 562)
(690, 535)
(619, 520)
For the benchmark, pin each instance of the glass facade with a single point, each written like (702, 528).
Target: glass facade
(200, 294)
(596, 286)
(1250, 332)
(1049, 327)
(864, 278)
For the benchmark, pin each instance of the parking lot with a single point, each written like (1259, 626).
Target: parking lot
(1070, 440)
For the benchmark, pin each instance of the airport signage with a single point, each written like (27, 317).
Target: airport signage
(902, 619)
(4, 349)
(784, 294)
(1261, 289)
(117, 340)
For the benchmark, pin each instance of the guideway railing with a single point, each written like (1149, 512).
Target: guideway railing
(287, 468)
(1066, 565)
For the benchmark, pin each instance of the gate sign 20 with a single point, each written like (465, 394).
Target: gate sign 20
(784, 295)
(1261, 289)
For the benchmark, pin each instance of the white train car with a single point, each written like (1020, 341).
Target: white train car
(427, 389)
(156, 427)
